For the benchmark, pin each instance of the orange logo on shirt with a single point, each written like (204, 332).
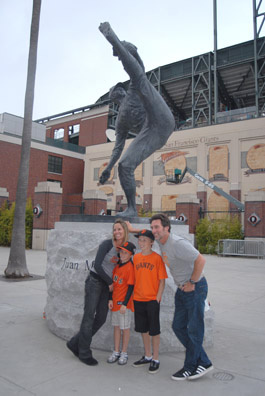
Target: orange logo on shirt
(114, 259)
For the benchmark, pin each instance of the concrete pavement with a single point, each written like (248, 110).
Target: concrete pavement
(33, 361)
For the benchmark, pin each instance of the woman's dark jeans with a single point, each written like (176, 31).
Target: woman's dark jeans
(95, 314)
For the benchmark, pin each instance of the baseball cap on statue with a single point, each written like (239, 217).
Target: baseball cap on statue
(146, 233)
(128, 247)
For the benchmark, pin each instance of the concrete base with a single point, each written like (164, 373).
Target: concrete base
(71, 248)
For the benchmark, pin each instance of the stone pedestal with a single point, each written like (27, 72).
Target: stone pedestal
(70, 250)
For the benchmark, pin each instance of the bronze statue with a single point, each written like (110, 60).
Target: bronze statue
(142, 111)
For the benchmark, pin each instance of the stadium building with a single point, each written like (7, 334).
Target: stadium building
(218, 101)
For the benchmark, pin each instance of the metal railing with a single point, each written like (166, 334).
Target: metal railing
(237, 247)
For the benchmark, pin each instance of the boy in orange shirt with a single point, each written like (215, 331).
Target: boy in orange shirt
(149, 283)
(121, 303)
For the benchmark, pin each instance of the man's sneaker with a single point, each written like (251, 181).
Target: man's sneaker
(154, 367)
(113, 357)
(181, 375)
(200, 371)
(123, 359)
(142, 362)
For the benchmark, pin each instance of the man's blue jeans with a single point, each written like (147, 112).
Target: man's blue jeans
(188, 324)
(95, 314)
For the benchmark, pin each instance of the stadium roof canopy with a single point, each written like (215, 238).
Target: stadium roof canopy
(188, 85)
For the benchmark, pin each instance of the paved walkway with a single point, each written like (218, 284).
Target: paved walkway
(33, 361)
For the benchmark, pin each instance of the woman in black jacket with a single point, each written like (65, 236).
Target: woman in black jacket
(97, 287)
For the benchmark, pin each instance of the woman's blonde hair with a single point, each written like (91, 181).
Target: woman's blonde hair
(125, 228)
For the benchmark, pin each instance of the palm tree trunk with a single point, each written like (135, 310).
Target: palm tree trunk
(17, 266)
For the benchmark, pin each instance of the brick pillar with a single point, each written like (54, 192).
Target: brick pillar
(94, 202)
(4, 195)
(119, 198)
(254, 217)
(48, 199)
(235, 192)
(148, 200)
(188, 206)
(202, 196)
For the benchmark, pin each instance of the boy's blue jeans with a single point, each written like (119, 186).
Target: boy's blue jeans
(188, 324)
(95, 314)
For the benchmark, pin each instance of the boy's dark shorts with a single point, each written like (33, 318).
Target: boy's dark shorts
(146, 317)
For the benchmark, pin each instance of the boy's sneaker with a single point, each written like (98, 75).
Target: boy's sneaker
(181, 375)
(123, 359)
(154, 367)
(200, 371)
(113, 357)
(142, 362)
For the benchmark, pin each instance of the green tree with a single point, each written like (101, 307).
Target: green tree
(17, 266)
(5, 225)
(29, 223)
(208, 233)
(202, 234)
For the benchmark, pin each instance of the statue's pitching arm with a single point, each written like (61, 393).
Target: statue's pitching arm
(116, 153)
(130, 64)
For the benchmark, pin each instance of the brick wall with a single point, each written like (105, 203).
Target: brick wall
(72, 204)
(92, 131)
(94, 206)
(71, 178)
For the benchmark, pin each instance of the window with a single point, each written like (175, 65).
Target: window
(73, 129)
(73, 133)
(55, 164)
(59, 133)
(55, 181)
(96, 173)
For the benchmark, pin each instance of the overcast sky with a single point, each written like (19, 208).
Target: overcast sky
(75, 63)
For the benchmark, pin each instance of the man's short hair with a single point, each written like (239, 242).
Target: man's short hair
(163, 218)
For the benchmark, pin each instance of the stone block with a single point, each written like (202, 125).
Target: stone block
(69, 256)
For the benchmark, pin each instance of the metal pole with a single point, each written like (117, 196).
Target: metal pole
(215, 60)
(193, 93)
(255, 58)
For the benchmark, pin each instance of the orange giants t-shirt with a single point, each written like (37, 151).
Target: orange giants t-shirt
(148, 271)
(121, 276)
